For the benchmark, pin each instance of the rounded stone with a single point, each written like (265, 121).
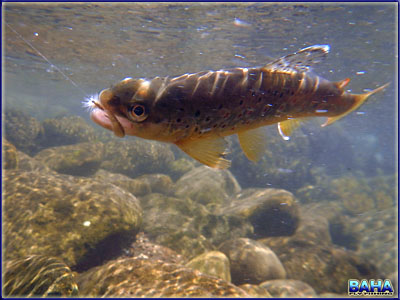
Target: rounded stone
(288, 288)
(272, 212)
(207, 186)
(255, 291)
(81, 159)
(212, 263)
(137, 277)
(38, 276)
(136, 187)
(252, 262)
(10, 156)
(80, 220)
(135, 157)
(22, 131)
(66, 130)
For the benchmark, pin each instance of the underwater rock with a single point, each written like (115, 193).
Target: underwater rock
(272, 212)
(187, 226)
(80, 220)
(140, 186)
(285, 164)
(377, 232)
(143, 248)
(81, 159)
(168, 222)
(38, 276)
(313, 226)
(179, 167)
(364, 194)
(135, 277)
(159, 183)
(66, 130)
(326, 268)
(212, 263)
(288, 288)
(135, 157)
(22, 131)
(255, 291)
(27, 163)
(252, 262)
(10, 156)
(207, 186)
(355, 193)
(134, 186)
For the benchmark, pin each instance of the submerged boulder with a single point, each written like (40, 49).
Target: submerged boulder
(136, 277)
(80, 220)
(252, 262)
(81, 159)
(135, 157)
(66, 130)
(38, 276)
(272, 212)
(212, 263)
(207, 186)
(23, 131)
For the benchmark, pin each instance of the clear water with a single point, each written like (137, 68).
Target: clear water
(96, 45)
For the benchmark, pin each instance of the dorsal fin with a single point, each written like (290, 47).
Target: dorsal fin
(299, 61)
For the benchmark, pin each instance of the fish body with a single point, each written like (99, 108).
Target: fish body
(196, 111)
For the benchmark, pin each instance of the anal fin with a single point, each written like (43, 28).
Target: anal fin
(287, 127)
(208, 151)
(253, 143)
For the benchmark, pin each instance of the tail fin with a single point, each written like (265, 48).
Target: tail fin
(359, 99)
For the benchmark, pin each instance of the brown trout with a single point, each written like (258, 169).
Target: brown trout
(196, 111)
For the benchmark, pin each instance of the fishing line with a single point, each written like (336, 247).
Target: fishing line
(48, 61)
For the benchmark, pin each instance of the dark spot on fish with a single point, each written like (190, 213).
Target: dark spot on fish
(292, 93)
(215, 125)
(181, 109)
(178, 120)
(187, 126)
(241, 102)
(280, 96)
(220, 106)
(259, 99)
(207, 119)
(240, 115)
(197, 114)
(223, 125)
(196, 129)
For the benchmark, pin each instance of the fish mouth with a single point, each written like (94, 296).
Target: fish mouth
(107, 119)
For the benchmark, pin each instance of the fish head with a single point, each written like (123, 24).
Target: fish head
(126, 109)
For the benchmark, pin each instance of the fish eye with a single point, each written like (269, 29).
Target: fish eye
(137, 112)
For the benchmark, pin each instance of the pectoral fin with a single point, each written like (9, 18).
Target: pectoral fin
(208, 151)
(253, 143)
